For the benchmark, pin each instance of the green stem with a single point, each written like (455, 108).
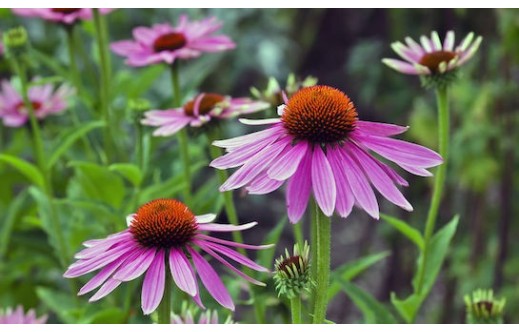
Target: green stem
(322, 262)
(71, 45)
(39, 151)
(295, 308)
(298, 234)
(182, 134)
(439, 181)
(104, 58)
(165, 305)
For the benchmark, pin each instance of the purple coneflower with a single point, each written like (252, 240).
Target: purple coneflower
(163, 232)
(202, 109)
(319, 145)
(18, 317)
(60, 15)
(164, 43)
(44, 102)
(431, 57)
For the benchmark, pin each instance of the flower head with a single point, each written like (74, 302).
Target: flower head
(320, 146)
(44, 102)
(16, 41)
(65, 16)
(292, 274)
(163, 231)
(482, 308)
(200, 110)
(164, 43)
(432, 57)
(17, 316)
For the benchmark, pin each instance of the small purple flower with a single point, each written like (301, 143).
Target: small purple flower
(199, 111)
(60, 15)
(432, 57)
(18, 317)
(163, 232)
(164, 43)
(318, 145)
(44, 101)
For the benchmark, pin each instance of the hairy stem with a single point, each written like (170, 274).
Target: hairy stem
(322, 262)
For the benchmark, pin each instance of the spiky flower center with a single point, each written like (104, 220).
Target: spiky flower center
(292, 262)
(208, 102)
(487, 305)
(164, 223)
(169, 42)
(319, 114)
(36, 106)
(65, 11)
(432, 60)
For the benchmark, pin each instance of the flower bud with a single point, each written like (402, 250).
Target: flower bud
(292, 272)
(15, 41)
(482, 308)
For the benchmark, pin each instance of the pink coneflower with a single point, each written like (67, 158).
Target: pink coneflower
(431, 57)
(320, 146)
(162, 232)
(202, 109)
(44, 101)
(207, 317)
(18, 317)
(60, 15)
(164, 43)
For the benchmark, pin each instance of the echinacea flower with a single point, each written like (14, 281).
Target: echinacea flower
(60, 15)
(165, 43)
(45, 101)
(319, 145)
(163, 232)
(432, 57)
(206, 317)
(10, 316)
(202, 109)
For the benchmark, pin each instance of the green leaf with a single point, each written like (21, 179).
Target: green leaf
(350, 270)
(439, 246)
(130, 172)
(96, 183)
(72, 136)
(373, 311)
(24, 167)
(106, 316)
(60, 303)
(8, 225)
(407, 230)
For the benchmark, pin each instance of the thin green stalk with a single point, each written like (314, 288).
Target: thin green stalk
(182, 134)
(39, 151)
(295, 308)
(104, 86)
(439, 180)
(71, 45)
(322, 262)
(298, 234)
(165, 305)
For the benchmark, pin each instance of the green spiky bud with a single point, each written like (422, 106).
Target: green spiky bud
(292, 272)
(16, 41)
(273, 94)
(482, 308)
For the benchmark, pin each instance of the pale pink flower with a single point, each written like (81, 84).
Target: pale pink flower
(17, 316)
(432, 57)
(320, 146)
(60, 15)
(45, 101)
(204, 108)
(162, 233)
(165, 43)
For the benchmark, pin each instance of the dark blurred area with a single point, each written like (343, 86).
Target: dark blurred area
(343, 48)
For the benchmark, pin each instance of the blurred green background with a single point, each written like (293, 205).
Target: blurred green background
(342, 48)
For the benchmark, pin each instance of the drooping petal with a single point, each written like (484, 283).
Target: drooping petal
(323, 182)
(235, 256)
(345, 198)
(233, 244)
(401, 66)
(225, 228)
(153, 285)
(101, 277)
(378, 128)
(106, 289)
(211, 280)
(182, 271)
(286, 165)
(299, 189)
(233, 143)
(136, 266)
(263, 184)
